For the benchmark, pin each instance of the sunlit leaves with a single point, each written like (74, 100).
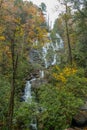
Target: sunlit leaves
(2, 38)
(64, 74)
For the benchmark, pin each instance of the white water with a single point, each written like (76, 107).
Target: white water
(55, 47)
(60, 45)
(54, 60)
(27, 92)
(41, 74)
(44, 52)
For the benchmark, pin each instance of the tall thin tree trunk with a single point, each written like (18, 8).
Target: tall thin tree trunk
(11, 103)
(68, 39)
(12, 93)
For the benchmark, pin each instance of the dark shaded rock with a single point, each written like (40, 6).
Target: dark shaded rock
(34, 74)
(80, 120)
(22, 99)
(35, 56)
(32, 127)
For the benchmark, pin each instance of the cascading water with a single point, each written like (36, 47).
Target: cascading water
(27, 92)
(44, 52)
(55, 47)
(60, 45)
(41, 74)
(53, 60)
(28, 98)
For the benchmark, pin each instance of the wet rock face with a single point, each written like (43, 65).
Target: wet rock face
(34, 74)
(48, 54)
(37, 83)
(35, 56)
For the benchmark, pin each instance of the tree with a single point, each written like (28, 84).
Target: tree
(80, 6)
(20, 25)
(64, 29)
(80, 20)
(68, 36)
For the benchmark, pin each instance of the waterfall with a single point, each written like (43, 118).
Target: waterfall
(41, 73)
(28, 98)
(52, 45)
(44, 52)
(33, 125)
(60, 45)
(54, 60)
(49, 57)
(27, 92)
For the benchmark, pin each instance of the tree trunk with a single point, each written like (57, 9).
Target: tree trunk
(11, 103)
(68, 39)
(12, 93)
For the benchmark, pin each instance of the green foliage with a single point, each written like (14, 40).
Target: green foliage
(4, 98)
(23, 71)
(80, 52)
(61, 99)
(24, 114)
(58, 107)
(72, 79)
(21, 25)
(78, 84)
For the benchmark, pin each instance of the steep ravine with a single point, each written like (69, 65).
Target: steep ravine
(41, 58)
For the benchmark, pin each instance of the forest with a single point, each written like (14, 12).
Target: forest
(43, 70)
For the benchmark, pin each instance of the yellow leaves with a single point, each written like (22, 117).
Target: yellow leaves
(64, 74)
(59, 77)
(57, 67)
(2, 38)
(69, 71)
(19, 31)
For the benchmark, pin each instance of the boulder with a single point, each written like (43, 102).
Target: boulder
(80, 119)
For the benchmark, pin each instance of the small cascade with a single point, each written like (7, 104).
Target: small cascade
(44, 52)
(41, 74)
(28, 95)
(52, 45)
(60, 45)
(33, 125)
(54, 59)
(27, 92)
(57, 46)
